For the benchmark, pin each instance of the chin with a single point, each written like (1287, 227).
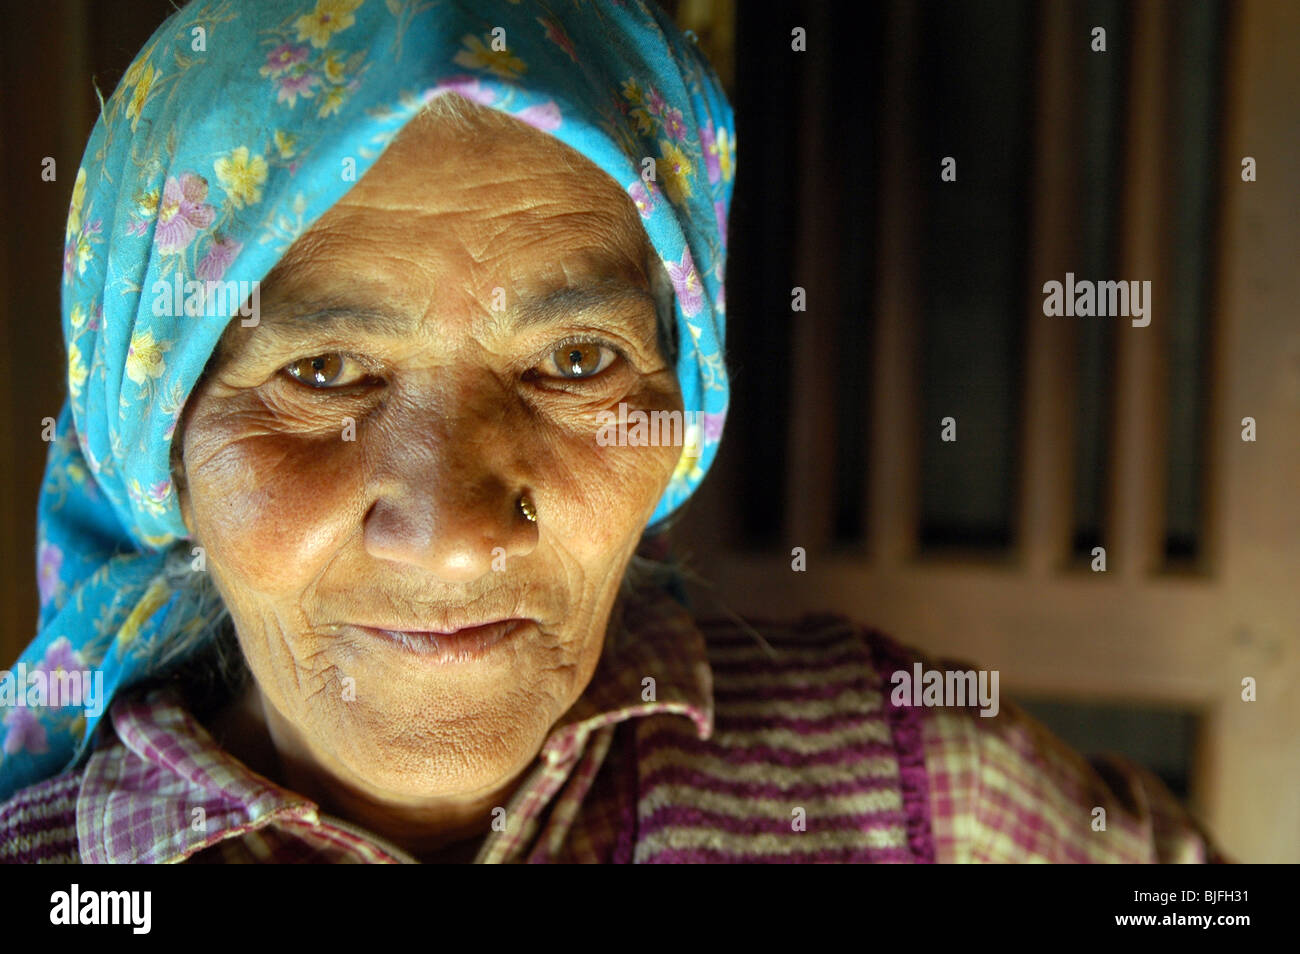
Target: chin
(431, 752)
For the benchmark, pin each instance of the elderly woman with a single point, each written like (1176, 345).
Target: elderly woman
(346, 519)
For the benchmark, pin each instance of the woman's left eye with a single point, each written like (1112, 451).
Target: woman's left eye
(583, 359)
(322, 371)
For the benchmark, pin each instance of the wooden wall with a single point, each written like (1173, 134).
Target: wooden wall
(1153, 629)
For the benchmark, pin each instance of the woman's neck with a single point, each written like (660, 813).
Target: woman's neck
(446, 832)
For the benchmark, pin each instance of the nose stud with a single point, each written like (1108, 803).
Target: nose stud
(527, 509)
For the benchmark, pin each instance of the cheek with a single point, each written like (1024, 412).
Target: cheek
(607, 493)
(600, 497)
(274, 509)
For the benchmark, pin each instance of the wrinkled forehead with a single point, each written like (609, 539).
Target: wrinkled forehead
(469, 203)
(457, 156)
(479, 190)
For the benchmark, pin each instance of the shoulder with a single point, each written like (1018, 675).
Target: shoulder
(38, 825)
(812, 675)
(1004, 788)
(816, 647)
(807, 761)
(824, 707)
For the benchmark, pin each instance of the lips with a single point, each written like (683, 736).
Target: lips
(448, 625)
(467, 644)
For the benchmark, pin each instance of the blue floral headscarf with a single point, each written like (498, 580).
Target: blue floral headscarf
(223, 143)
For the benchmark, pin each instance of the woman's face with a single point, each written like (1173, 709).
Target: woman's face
(470, 306)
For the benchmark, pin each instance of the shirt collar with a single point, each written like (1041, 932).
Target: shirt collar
(163, 789)
(654, 663)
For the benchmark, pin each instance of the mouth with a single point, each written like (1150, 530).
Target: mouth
(467, 644)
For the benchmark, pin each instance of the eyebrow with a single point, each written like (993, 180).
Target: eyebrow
(563, 304)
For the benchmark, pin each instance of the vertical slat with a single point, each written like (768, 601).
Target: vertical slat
(1136, 526)
(810, 460)
(894, 469)
(1251, 780)
(1045, 501)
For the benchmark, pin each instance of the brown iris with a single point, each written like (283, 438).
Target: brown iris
(577, 360)
(318, 371)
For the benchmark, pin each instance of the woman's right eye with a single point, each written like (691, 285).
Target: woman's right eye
(322, 371)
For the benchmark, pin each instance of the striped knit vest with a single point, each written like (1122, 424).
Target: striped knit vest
(809, 760)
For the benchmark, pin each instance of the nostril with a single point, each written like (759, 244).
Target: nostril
(456, 536)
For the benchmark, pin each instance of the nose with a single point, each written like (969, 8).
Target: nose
(444, 489)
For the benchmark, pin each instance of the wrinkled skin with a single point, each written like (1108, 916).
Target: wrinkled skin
(458, 409)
